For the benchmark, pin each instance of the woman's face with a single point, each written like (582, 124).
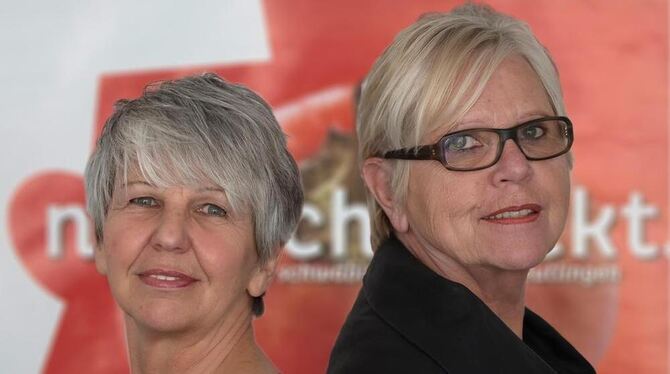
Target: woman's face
(178, 258)
(454, 213)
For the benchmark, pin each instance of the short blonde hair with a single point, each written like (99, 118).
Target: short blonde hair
(430, 76)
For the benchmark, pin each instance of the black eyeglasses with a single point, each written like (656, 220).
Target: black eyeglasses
(476, 149)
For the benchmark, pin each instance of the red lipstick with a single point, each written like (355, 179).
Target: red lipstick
(514, 214)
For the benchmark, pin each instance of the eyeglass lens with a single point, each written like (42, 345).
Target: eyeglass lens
(537, 140)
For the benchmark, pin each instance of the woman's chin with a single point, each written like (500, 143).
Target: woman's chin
(159, 319)
(518, 248)
(519, 258)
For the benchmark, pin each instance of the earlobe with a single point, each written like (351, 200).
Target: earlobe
(377, 176)
(262, 277)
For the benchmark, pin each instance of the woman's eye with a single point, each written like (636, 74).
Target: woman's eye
(144, 201)
(213, 210)
(461, 142)
(533, 132)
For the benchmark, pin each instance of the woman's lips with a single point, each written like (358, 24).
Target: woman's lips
(514, 214)
(160, 278)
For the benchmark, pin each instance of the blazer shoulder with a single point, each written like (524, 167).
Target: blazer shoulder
(367, 344)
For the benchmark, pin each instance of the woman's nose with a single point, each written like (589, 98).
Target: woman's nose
(171, 231)
(512, 165)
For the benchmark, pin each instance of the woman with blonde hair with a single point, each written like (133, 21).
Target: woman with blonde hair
(464, 149)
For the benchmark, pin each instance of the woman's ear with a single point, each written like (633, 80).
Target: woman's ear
(262, 277)
(100, 258)
(377, 173)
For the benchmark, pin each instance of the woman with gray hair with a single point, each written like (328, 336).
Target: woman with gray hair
(464, 148)
(193, 193)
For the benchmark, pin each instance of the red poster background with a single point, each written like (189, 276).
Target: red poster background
(613, 62)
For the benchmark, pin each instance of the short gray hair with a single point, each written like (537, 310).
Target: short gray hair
(430, 76)
(198, 130)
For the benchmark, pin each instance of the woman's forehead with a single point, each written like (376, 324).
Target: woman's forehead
(514, 94)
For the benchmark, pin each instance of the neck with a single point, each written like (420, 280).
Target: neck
(228, 347)
(503, 291)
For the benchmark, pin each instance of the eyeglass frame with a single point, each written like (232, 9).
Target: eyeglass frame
(434, 151)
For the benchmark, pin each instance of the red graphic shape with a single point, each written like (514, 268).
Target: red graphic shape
(89, 336)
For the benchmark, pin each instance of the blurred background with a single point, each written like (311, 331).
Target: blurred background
(605, 286)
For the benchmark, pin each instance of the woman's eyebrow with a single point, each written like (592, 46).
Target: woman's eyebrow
(136, 182)
(478, 121)
(212, 189)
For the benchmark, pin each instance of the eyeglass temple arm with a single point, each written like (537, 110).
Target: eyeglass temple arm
(425, 152)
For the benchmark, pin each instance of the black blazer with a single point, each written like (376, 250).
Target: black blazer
(408, 319)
